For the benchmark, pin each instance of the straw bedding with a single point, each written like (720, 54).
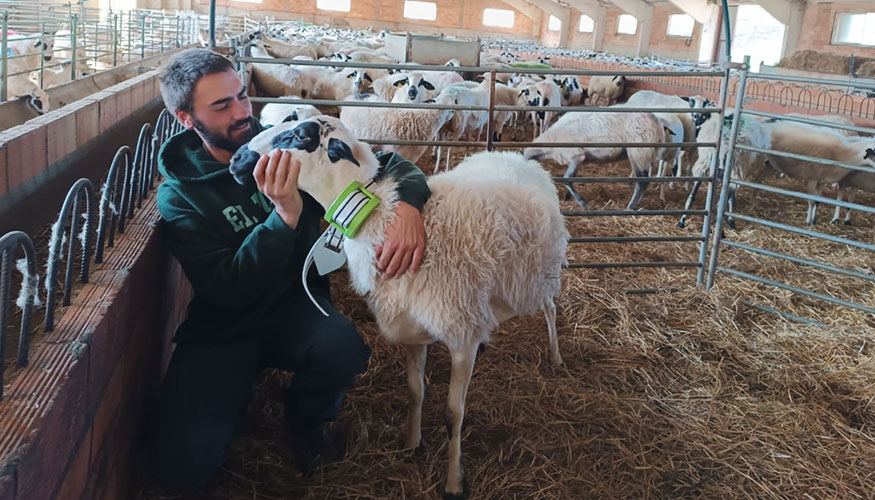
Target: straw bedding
(673, 395)
(825, 62)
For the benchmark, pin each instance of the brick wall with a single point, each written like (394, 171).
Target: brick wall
(674, 47)
(616, 43)
(454, 17)
(576, 39)
(817, 26)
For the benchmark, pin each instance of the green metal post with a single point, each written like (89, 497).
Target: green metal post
(4, 47)
(74, 27)
(130, 31)
(143, 38)
(115, 40)
(177, 30)
(161, 30)
(42, 53)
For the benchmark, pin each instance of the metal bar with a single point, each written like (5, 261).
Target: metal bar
(809, 121)
(632, 239)
(712, 185)
(727, 170)
(42, 55)
(401, 142)
(783, 314)
(212, 24)
(74, 27)
(595, 213)
(819, 81)
(4, 53)
(407, 105)
(806, 196)
(794, 289)
(806, 232)
(629, 180)
(115, 40)
(474, 69)
(811, 159)
(490, 123)
(609, 265)
(799, 260)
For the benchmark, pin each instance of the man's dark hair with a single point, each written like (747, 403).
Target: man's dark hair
(183, 72)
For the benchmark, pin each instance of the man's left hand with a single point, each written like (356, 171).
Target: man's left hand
(404, 244)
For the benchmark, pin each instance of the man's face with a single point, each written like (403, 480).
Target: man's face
(222, 113)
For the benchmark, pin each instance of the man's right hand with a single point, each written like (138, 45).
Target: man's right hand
(276, 175)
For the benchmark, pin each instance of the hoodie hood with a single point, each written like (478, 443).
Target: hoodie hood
(184, 158)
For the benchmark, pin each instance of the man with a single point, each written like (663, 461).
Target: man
(242, 248)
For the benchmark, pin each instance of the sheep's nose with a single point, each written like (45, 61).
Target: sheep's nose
(47, 57)
(412, 92)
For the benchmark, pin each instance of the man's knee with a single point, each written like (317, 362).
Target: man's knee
(343, 350)
(181, 469)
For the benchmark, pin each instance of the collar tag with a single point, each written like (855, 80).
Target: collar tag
(351, 209)
(328, 255)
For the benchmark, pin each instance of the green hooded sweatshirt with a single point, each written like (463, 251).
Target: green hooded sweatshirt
(243, 261)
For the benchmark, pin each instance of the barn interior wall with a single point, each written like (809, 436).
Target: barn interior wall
(817, 26)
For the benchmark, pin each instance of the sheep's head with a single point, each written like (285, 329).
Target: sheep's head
(330, 156)
(870, 154)
(699, 102)
(412, 87)
(38, 100)
(529, 96)
(361, 81)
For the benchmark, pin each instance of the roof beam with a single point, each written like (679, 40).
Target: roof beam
(638, 8)
(701, 10)
(526, 8)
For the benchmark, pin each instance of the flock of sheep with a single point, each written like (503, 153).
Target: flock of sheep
(459, 296)
(522, 89)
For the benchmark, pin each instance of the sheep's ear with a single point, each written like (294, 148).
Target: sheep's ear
(243, 163)
(870, 154)
(687, 100)
(368, 78)
(523, 91)
(667, 130)
(400, 83)
(351, 75)
(339, 150)
(37, 43)
(430, 101)
(426, 84)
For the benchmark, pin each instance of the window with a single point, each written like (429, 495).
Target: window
(341, 5)
(420, 10)
(498, 18)
(681, 25)
(554, 24)
(587, 24)
(627, 25)
(858, 29)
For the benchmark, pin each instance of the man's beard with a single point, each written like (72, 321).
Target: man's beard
(224, 141)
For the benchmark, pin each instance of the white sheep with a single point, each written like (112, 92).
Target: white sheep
(504, 262)
(388, 124)
(277, 80)
(275, 113)
(610, 88)
(748, 165)
(849, 185)
(811, 141)
(412, 87)
(604, 127)
(288, 50)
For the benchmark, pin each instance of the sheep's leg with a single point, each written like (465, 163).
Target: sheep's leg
(550, 314)
(572, 169)
(640, 187)
(663, 167)
(813, 188)
(690, 199)
(463, 366)
(437, 160)
(838, 211)
(730, 223)
(852, 195)
(416, 355)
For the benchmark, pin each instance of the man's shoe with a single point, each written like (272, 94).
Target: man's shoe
(318, 447)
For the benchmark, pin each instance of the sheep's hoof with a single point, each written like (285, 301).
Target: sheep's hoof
(847, 223)
(731, 224)
(481, 348)
(459, 496)
(682, 224)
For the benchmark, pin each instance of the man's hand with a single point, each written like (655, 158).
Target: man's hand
(276, 175)
(404, 245)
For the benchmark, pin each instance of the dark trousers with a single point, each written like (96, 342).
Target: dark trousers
(207, 388)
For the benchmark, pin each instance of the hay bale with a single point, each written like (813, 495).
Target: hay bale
(866, 69)
(812, 60)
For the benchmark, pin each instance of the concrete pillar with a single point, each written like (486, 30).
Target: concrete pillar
(710, 16)
(789, 13)
(645, 26)
(564, 29)
(598, 34)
